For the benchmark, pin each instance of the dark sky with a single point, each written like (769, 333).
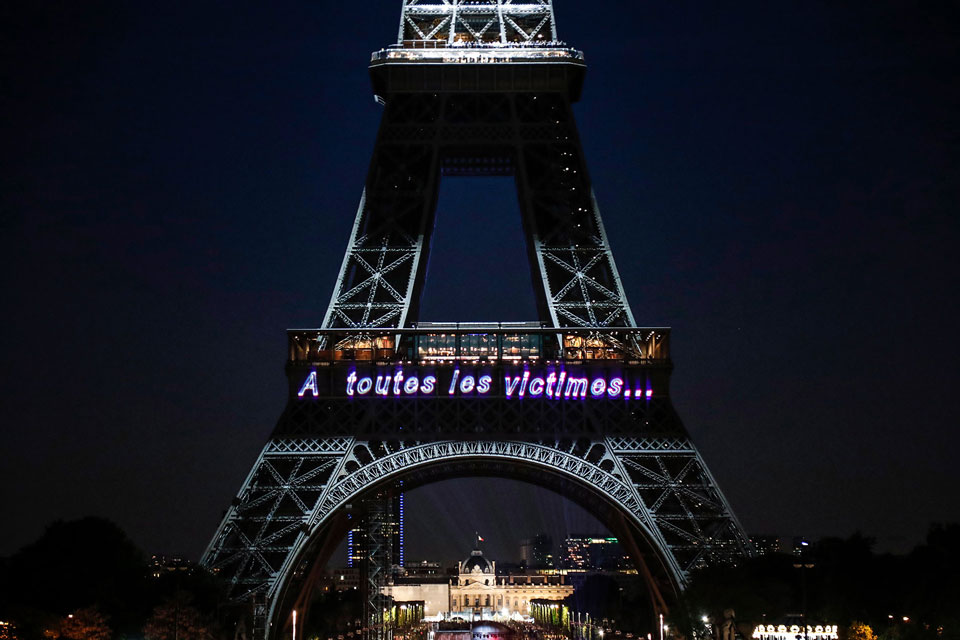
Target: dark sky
(779, 181)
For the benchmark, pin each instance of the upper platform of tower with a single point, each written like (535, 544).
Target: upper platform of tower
(477, 46)
(477, 31)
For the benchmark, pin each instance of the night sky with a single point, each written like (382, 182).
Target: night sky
(779, 181)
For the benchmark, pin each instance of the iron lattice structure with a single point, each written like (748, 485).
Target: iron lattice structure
(473, 88)
(487, 21)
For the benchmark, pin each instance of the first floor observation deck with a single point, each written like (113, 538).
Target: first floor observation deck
(479, 379)
(481, 342)
(473, 360)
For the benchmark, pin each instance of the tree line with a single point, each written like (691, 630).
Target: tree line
(86, 580)
(914, 596)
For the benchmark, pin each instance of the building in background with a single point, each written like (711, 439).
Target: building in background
(357, 542)
(765, 544)
(343, 579)
(435, 595)
(476, 588)
(479, 588)
(161, 565)
(537, 552)
(424, 570)
(594, 553)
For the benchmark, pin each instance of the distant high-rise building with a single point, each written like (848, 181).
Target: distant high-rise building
(764, 544)
(161, 565)
(354, 536)
(594, 553)
(357, 535)
(397, 525)
(342, 579)
(537, 552)
(800, 545)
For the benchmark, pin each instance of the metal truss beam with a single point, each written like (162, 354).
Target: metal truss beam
(490, 21)
(667, 494)
(531, 134)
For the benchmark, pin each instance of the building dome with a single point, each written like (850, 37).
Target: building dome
(476, 563)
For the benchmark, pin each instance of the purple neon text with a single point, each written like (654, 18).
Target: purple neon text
(552, 385)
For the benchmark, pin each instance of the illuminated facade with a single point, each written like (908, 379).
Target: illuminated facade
(342, 579)
(537, 552)
(594, 553)
(794, 631)
(161, 565)
(477, 589)
(358, 537)
(764, 544)
(577, 401)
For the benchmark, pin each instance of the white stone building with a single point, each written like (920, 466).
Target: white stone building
(477, 587)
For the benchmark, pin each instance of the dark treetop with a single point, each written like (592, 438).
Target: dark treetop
(779, 182)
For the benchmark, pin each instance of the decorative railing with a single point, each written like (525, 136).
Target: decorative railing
(478, 54)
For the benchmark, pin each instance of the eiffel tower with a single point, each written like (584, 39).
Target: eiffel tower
(577, 401)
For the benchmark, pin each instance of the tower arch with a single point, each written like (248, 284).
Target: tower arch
(600, 493)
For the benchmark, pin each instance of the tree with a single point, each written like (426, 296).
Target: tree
(85, 624)
(80, 563)
(177, 619)
(859, 631)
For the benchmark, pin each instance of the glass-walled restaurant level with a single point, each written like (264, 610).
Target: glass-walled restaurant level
(493, 342)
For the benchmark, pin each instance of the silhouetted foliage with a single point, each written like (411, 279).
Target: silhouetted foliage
(334, 613)
(858, 631)
(77, 564)
(178, 619)
(846, 583)
(85, 624)
(617, 597)
(89, 565)
(73, 565)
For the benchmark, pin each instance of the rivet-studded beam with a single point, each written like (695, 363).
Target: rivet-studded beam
(485, 21)
(668, 495)
(533, 135)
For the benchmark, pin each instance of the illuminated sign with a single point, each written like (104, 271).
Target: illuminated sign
(553, 384)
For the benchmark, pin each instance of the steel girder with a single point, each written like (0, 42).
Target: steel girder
(639, 461)
(375, 564)
(486, 21)
(531, 134)
(668, 495)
